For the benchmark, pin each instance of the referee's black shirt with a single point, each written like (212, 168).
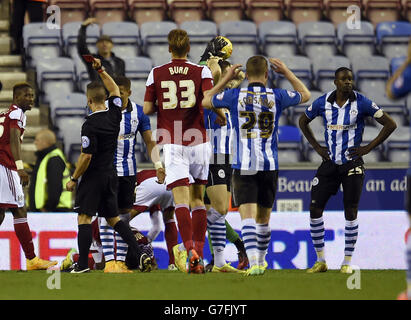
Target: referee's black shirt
(99, 135)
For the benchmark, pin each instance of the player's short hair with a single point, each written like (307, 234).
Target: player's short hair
(96, 91)
(224, 64)
(20, 86)
(256, 66)
(341, 69)
(123, 81)
(179, 42)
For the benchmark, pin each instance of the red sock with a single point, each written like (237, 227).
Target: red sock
(184, 225)
(199, 215)
(23, 233)
(171, 236)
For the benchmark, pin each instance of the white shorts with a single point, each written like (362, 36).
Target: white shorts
(181, 162)
(149, 193)
(11, 190)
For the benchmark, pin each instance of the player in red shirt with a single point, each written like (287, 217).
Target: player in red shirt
(175, 91)
(12, 174)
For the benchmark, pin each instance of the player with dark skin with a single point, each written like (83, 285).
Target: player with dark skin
(24, 98)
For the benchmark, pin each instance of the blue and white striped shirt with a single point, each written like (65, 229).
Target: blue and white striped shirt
(255, 112)
(344, 126)
(220, 137)
(133, 120)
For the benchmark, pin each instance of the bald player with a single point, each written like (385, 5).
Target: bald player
(50, 175)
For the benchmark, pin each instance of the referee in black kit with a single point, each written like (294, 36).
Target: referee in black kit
(97, 190)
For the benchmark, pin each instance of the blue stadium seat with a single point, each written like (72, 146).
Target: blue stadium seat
(396, 63)
(289, 144)
(154, 40)
(125, 36)
(200, 33)
(243, 35)
(55, 75)
(301, 66)
(71, 101)
(371, 73)
(356, 42)
(317, 39)
(324, 71)
(70, 34)
(41, 42)
(278, 38)
(138, 68)
(295, 112)
(393, 37)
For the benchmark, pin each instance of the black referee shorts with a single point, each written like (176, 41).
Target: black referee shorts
(126, 188)
(219, 173)
(330, 177)
(258, 188)
(97, 192)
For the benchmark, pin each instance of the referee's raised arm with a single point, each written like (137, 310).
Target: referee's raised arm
(108, 81)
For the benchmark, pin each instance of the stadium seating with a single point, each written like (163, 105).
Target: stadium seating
(125, 37)
(200, 33)
(154, 40)
(40, 42)
(398, 144)
(225, 10)
(317, 38)
(336, 10)
(295, 112)
(55, 75)
(396, 63)
(71, 11)
(243, 35)
(74, 152)
(393, 37)
(73, 101)
(187, 10)
(304, 10)
(278, 38)
(142, 11)
(356, 42)
(301, 66)
(371, 73)
(289, 144)
(69, 36)
(108, 10)
(261, 11)
(138, 89)
(377, 11)
(324, 71)
(138, 68)
(82, 77)
(395, 108)
(376, 155)
(69, 124)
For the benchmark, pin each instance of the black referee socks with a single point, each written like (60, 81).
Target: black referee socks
(128, 236)
(84, 240)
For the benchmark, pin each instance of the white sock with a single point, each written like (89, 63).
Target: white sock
(107, 239)
(263, 240)
(351, 235)
(317, 235)
(155, 226)
(218, 240)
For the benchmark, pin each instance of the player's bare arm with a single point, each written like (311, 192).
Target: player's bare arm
(279, 67)
(397, 73)
(108, 81)
(389, 126)
(154, 154)
(308, 134)
(15, 146)
(149, 108)
(231, 73)
(82, 164)
(214, 67)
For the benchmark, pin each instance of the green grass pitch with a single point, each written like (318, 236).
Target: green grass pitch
(167, 285)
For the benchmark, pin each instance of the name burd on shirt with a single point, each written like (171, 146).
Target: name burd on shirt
(178, 70)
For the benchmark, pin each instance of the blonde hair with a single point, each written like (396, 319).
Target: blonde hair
(179, 42)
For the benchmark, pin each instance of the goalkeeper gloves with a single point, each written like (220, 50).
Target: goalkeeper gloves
(214, 49)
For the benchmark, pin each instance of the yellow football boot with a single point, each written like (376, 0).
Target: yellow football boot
(39, 264)
(226, 268)
(318, 267)
(180, 258)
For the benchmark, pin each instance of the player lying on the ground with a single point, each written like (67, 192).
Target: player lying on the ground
(12, 174)
(96, 256)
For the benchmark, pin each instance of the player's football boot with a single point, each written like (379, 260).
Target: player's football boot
(68, 261)
(39, 264)
(226, 268)
(253, 271)
(180, 258)
(172, 267)
(318, 267)
(346, 269)
(145, 263)
(76, 269)
(403, 296)
(263, 267)
(110, 267)
(209, 267)
(121, 267)
(195, 262)
(242, 260)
